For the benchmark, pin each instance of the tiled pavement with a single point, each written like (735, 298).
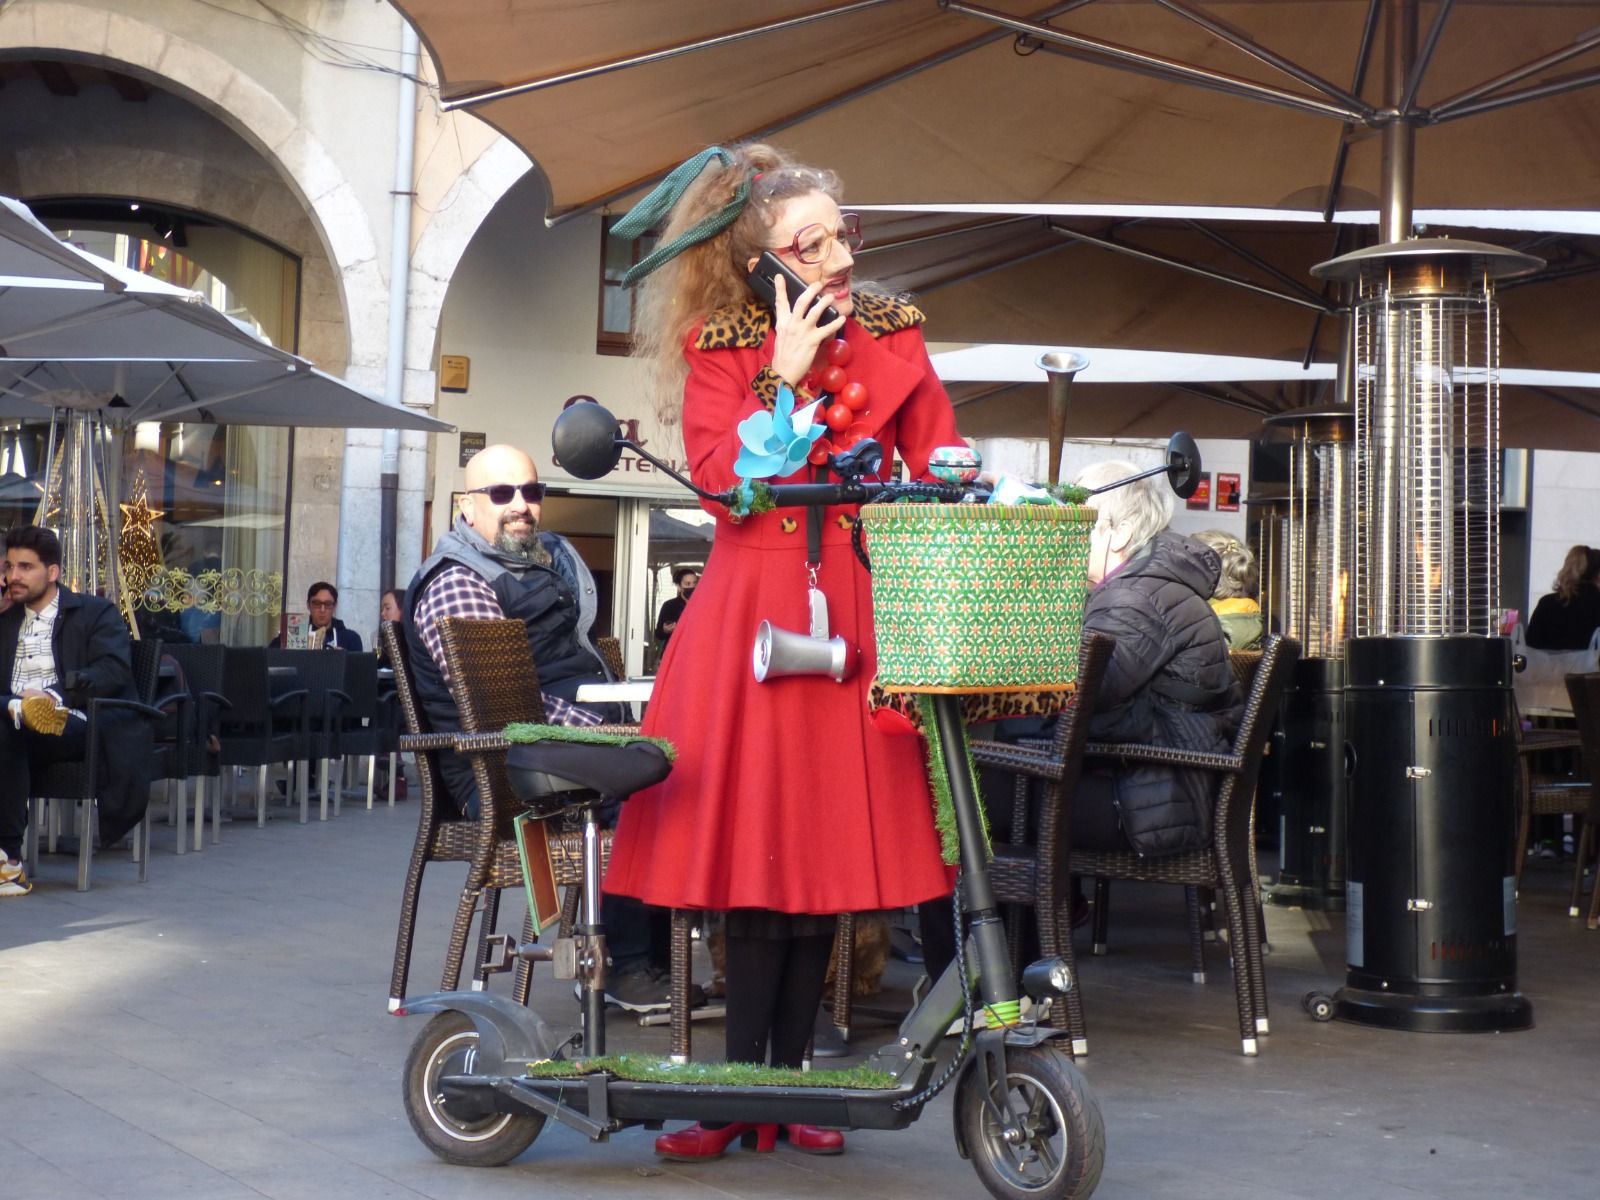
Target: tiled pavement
(221, 1032)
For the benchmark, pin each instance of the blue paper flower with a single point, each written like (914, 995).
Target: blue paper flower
(776, 443)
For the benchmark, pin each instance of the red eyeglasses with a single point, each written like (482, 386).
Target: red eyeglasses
(814, 243)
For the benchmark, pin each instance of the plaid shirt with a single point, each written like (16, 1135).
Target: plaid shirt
(459, 592)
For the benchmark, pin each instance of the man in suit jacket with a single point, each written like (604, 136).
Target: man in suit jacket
(58, 652)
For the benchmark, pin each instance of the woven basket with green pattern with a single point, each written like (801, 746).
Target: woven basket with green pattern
(978, 597)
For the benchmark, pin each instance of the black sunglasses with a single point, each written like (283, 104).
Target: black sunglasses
(501, 493)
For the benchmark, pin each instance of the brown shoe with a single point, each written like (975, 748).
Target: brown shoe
(43, 715)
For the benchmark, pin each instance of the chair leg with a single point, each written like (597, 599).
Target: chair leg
(85, 843)
(844, 974)
(372, 778)
(1197, 942)
(178, 814)
(217, 795)
(1102, 913)
(261, 797)
(322, 782)
(522, 980)
(1054, 917)
(456, 951)
(1594, 901)
(486, 926)
(200, 812)
(406, 934)
(302, 775)
(1524, 815)
(141, 847)
(1584, 840)
(681, 966)
(30, 836)
(394, 767)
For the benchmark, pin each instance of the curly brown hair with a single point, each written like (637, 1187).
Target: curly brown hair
(1581, 566)
(711, 275)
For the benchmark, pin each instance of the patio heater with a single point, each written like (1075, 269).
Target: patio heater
(1318, 556)
(1061, 367)
(1431, 760)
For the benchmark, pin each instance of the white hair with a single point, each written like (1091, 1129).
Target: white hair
(1141, 509)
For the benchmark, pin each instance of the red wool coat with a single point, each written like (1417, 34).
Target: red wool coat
(784, 794)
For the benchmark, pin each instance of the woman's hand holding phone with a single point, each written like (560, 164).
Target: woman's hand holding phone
(797, 335)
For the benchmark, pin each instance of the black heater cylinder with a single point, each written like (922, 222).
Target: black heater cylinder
(1311, 775)
(1431, 892)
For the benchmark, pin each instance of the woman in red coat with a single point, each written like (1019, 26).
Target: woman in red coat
(786, 805)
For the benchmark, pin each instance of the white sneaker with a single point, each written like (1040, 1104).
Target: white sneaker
(13, 878)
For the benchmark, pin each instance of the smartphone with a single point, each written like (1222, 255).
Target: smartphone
(760, 278)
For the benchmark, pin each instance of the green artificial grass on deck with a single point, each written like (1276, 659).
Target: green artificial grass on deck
(637, 1069)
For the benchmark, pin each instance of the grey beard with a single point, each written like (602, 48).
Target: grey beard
(533, 551)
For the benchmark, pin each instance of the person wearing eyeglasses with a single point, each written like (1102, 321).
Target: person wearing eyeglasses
(327, 631)
(787, 803)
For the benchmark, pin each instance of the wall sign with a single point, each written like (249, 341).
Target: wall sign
(1227, 493)
(454, 371)
(471, 443)
(1202, 495)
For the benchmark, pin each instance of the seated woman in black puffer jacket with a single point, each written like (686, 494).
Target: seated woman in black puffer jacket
(1168, 682)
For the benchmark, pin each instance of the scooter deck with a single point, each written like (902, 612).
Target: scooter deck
(631, 1102)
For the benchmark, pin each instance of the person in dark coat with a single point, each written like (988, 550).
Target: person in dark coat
(1168, 682)
(59, 651)
(1566, 618)
(327, 632)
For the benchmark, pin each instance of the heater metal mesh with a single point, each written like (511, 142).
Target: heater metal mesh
(1427, 402)
(1321, 529)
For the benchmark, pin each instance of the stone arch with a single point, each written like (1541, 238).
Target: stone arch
(222, 89)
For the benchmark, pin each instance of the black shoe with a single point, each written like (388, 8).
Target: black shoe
(647, 990)
(826, 1040)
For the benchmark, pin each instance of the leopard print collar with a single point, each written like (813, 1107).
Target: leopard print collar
(745, 326)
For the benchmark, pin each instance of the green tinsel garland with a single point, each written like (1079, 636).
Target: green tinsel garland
(1068, 493)
(523, 731)
(944, 813)
(637, 1069)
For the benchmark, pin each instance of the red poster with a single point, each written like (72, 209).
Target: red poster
(1227, 493)
(1202, 494)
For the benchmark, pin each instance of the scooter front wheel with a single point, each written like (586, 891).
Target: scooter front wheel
(1062, 1147)
(459, 1133)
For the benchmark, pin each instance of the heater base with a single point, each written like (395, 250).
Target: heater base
(1498, 1012)
(1300, 895)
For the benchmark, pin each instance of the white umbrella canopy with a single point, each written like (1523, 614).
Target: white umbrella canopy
(29, 251)
(279, 391)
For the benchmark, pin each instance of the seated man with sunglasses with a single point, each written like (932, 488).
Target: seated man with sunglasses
(497, 563)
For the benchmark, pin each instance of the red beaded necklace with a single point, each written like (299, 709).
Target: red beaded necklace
(827, 382)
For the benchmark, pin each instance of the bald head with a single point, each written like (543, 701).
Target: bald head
(511, 526)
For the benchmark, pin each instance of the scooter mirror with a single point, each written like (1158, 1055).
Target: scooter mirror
(1183, 465)
(585, 440)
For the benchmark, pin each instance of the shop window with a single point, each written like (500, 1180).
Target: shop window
(618, 303)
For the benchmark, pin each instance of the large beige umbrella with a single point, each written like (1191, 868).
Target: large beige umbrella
(1141, 101)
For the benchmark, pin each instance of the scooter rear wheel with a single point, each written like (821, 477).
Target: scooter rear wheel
(464, 1136)
(1063, 1148)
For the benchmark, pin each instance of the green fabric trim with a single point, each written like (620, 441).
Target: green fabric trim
(526, 732)
(649, 212)
(637, 1069)
(944, 812)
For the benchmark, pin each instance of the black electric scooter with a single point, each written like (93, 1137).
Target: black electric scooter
(485, 1074)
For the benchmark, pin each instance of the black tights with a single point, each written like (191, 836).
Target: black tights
(774, 990)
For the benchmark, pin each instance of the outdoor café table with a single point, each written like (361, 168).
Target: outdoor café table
(626, 692)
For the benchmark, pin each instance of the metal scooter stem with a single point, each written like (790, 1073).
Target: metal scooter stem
(594, 977)
(995, 974)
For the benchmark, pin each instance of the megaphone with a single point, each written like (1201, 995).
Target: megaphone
(780, 652)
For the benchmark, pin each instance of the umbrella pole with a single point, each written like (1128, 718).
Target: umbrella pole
(1399, 135)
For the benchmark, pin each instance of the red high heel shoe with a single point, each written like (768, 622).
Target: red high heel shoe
(695, 1143)
(811, 1140)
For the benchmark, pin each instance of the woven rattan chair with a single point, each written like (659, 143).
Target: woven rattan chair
(494, 683)
(443, 834)
(1585, 693)
(1031, 871)
(1228, 864)
(611, 653)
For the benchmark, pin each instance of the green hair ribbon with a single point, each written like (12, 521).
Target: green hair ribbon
(649, 211)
